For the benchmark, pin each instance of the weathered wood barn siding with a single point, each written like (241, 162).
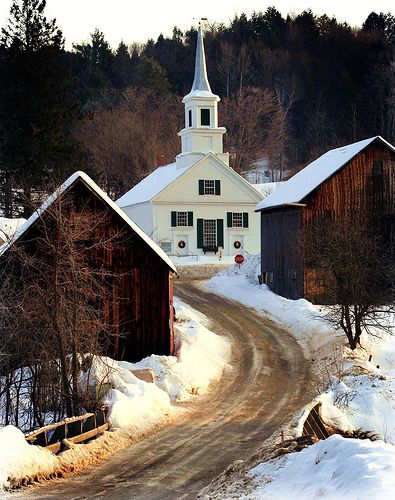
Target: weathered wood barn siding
(138, 308)
(281, 256)
(365, 185)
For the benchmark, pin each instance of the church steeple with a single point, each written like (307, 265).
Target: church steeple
(201, 133)
(200, 81)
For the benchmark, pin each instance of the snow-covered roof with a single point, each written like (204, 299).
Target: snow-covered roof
(314, 174)
(159, 179)
(8, 227)
(101, 194)
(152, 185)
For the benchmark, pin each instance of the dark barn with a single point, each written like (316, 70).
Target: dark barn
(355, 179)
(137, 308)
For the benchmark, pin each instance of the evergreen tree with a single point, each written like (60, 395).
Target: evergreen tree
(35, 107)
(96, 67)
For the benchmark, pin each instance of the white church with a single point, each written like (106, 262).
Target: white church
(198, 204)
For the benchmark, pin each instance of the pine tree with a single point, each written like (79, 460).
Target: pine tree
(36, 113)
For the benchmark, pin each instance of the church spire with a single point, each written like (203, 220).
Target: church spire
(201, 134)
(200, 81)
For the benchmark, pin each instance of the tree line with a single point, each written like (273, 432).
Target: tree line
(291, 88)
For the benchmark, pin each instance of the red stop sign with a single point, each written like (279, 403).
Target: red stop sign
(239, 259)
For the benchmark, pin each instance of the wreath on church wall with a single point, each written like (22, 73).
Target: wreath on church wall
(181, 244)
(237, 244)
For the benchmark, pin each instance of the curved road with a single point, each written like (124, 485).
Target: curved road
(267, 384)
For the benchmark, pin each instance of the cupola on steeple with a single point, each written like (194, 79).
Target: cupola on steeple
(201, 133)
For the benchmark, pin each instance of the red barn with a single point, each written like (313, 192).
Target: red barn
(358, 178)
(138, 309)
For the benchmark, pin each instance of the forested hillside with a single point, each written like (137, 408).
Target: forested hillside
(291, 88)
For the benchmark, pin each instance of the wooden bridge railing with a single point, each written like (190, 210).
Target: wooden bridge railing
(75, 429)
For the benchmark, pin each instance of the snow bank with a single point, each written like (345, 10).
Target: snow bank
(136, 407)
(201, 357)
(363, 394)
(18, 459)
(359, 394)
(334, 468)
(300, 316)
(134, 404)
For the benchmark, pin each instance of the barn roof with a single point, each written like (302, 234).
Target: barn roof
(103, 196)
(313, 175)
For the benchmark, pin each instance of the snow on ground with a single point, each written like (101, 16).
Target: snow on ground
(20, 459)
(332, 469)
(201, 357)
(187, 260)
(354, 392)
(135, 407)
(300, 316)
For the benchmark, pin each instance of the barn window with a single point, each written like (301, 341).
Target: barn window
(377, 167)
(205, 117)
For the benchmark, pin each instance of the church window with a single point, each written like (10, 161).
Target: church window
(237, 219)
(165, 246)
(209, 187)
(190, 118)
(205, 117)
(182, 218)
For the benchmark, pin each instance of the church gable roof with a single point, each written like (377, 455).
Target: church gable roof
(104, 197)
(313, 175)
(163, 177)
(152, 185)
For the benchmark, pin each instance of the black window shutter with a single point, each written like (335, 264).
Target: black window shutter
(201, 186)
(199, 232)
(229, 218)
(173, 219)
(220, 233)
(245, 219)
(190, 218)
(217, 187)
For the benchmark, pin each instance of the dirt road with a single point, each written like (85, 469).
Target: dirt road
(267, 384)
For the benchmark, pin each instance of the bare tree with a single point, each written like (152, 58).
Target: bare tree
(277, 136)
(126, 140)
(54, 314)
(354, 266)
(247, 116)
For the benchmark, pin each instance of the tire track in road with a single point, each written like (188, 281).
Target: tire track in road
(265, 387)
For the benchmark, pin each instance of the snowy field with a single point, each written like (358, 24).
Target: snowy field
(136, 408)
(355, 393)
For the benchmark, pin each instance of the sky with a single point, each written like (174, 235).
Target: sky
(139, 20)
